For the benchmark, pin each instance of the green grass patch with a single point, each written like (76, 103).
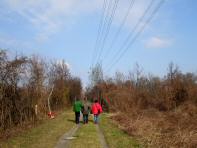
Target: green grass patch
(45, 135)
(115, 137)
(87, 137)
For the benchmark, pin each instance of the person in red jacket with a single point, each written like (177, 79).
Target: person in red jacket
(96, 110)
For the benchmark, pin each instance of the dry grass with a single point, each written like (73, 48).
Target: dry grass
(115, 137)
(160, 112)
(44, 135)
(162, 129)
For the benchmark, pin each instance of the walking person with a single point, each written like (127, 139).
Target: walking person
(77, 109)
(96, 110)
(85, 110)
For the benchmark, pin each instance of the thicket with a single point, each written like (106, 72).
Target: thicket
(25, 84)
(163, 111)
(142, 91)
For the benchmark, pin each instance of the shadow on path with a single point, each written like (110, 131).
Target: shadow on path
(65, 139)
(81, 122)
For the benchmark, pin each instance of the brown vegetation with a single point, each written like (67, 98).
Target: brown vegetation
(160, 112)
(25, 84)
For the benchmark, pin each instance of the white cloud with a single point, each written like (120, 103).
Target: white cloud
(136, 13)
(156, 42)
(50, 16)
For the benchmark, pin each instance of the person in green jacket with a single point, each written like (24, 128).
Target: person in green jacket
(77, 108)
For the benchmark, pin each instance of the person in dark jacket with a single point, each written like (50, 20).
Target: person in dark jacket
(77, 109)
(85, 110)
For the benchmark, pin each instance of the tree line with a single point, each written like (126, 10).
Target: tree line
(25, 83)
(159, 111)
(137, 89)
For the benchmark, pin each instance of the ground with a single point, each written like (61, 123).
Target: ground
(63, 132)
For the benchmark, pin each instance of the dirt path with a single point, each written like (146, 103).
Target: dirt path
(101, 137)
(65, 139)
(71, 135)
(83, 136)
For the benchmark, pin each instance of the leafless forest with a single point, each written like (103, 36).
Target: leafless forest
(161, 112)
(25, 83)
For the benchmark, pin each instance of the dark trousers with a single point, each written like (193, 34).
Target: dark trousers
(77, 117)
(85, 118)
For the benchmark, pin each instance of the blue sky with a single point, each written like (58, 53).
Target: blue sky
(67, 29)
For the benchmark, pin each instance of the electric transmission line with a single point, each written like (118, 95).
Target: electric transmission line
(134, 29)
(137, 34)
(102, 31)
(99, 29)
(120, 28)
(107, 30)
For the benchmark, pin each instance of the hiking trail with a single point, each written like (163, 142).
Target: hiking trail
(62, 132)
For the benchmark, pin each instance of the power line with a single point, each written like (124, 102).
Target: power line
(105, 20)
(120, 28)
(108, 28)
(99, 29)
(138, 33)
(134, 28)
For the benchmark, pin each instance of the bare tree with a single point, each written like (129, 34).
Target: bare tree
(96, 75)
